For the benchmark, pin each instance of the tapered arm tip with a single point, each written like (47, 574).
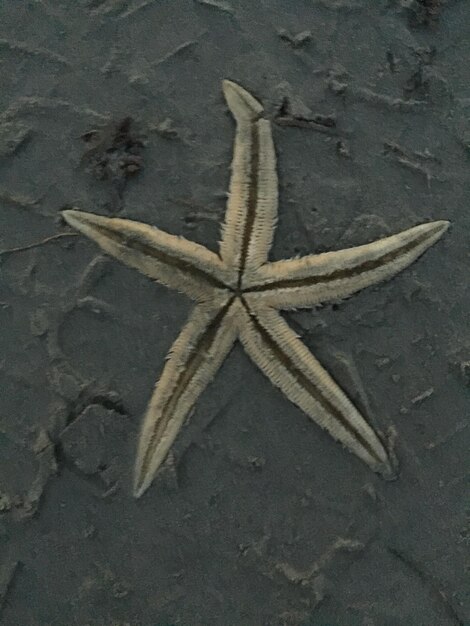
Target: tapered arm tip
(434, 230)
(71, 216)
(140, 488)
(441, 225)
(243, 106)
(83, 221)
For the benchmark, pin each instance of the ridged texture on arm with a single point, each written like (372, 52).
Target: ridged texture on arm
(289, 365)
(173, 261)
(253, 194)
(314, 279)
(193, 361)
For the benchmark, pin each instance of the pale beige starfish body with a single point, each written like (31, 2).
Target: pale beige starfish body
(239, 293)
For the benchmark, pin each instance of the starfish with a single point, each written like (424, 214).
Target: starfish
(239, 294)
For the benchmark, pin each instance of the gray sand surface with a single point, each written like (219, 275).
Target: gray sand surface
(258, 518)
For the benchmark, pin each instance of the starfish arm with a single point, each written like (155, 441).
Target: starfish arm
(193, 361)
(314, 279)
(289, 365)
(173, 261)
(253, 194)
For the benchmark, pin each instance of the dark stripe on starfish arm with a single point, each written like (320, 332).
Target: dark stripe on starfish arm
(147, 249)
(199, 352)
(346, 272)
(307, 385)
(252, 201)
